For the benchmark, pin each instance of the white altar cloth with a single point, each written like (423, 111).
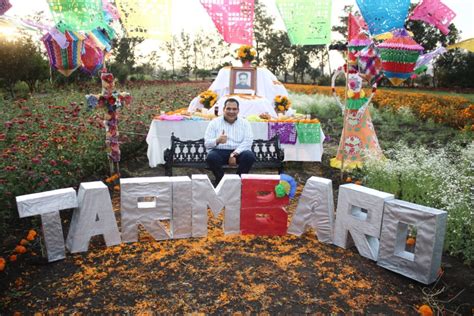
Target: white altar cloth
(159, 139)
(268, 87)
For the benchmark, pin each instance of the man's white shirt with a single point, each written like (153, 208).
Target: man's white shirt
(239, 134)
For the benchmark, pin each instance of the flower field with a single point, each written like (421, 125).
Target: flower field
(454, 111)
(53, 141)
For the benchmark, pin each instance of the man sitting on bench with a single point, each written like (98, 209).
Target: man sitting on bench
(229, 139)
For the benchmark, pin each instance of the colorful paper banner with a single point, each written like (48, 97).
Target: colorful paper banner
(68, 59)
(78, 15)
(434, 12)
(356, 25)
(4, 6)
(428, 57)
(384, 16)
(308, 133)
(146, 18)
(233, 19)
(467, 44)
(307, 22)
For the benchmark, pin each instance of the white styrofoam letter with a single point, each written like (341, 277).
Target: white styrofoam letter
(422, 265)
(359, 211)
(227, 194)
(181, 224)
(94, 216)
(48, 204)
(315, 210)
(148, 214)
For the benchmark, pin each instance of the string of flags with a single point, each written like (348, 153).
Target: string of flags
(84, 29)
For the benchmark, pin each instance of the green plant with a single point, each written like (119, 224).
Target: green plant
(440, 178)
(21, 90)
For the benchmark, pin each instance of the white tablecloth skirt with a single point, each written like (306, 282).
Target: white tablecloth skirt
(159, 139)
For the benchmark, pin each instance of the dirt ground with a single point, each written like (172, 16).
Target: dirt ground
(224, 274)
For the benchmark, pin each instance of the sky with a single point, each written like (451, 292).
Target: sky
(190, 16)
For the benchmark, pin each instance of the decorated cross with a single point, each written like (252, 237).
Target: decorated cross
(112, 101)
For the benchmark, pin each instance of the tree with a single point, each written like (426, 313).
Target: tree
(171, 50)
(124, 51)
(263, 29)
(21, 60)
(184, 49)
(455, 69)
(277, 53)
(314, 73)
(300, 62)
(197, 47)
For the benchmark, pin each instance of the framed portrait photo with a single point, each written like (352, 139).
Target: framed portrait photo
(243, 80)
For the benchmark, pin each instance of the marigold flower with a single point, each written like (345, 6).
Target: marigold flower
(112, 178)
(20, 249)
(410, 241)
(12, 258)
(24, 242)
(31, 235)
(425, 310)
(2, 264)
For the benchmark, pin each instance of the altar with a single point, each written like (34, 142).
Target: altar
(254, 101)
(159, 139)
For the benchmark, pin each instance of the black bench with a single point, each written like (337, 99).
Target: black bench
(193, 153)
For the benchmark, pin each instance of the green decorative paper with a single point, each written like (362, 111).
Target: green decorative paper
(77, 15)
(308, 22)
(355, 104)
(308, 133)
(397, 55)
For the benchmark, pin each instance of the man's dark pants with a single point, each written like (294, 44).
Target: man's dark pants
(217, 158)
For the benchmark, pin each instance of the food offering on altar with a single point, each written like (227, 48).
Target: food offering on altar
(297, 128)
(254, 87)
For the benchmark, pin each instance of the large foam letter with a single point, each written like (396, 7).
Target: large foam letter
(227, 194)
(94, 216)
(181, 223)
(48, 204)
(359, 211)
(157, 193)
(422, 265)
(315, 210)
(262, 213)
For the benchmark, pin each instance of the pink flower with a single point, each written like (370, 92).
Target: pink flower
(53, 163)
(22, 137)
(36, 160)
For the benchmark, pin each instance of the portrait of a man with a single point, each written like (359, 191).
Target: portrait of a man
(243, 80)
